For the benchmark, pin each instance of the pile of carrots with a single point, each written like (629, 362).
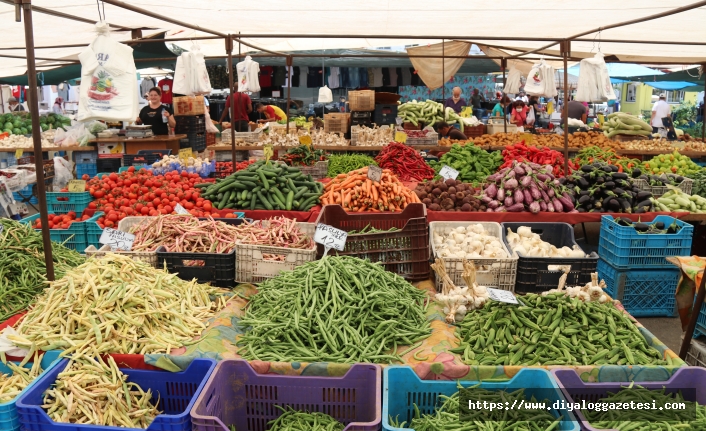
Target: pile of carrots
(355, 192)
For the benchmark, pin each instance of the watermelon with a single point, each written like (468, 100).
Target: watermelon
(44, 127)
(8, 125)
(16, 131)
(16, 124)
(24, 131)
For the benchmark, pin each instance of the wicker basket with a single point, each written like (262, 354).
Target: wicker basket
(337, 122)
(363, 100)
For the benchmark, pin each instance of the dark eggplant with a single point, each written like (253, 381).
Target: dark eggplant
(581, 210)
(619, 176)
(641, 227)
(582, 183)
(625, 205)
(623, 221)
(618, 191)
(639, 210)
(659, 225)
(584, 193)
(636, 173)
(613, 205)
(584, 199)
(673, 228)
(599, 180)
(641, 196)
(588, 168)
(610, 185)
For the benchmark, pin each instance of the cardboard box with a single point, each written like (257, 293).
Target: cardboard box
(188, 105)
(108, 148)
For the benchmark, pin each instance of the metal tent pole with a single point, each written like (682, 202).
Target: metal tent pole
(443, 71)
(503, 66)
(36, 132)
(703, 120)
(565, 50)
(289, 71)
(229, 51)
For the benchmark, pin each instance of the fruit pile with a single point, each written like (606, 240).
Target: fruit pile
(674, 163)
(60, 221)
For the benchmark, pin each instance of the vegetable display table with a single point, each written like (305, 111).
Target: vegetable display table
(571, 218)
(133, 145)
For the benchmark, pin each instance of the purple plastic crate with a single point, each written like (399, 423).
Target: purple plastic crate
(575, 390)
(237, 395)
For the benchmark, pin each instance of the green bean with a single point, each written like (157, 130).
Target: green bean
(337, 309)
(566, 338)
(22, 266)
(292, 420)
(344, 163)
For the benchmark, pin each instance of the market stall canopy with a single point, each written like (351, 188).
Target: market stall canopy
(404, 21)
(693, 74)
(616, 70)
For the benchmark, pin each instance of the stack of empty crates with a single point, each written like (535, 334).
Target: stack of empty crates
(362, 106)
(635, 268)
(194, 127)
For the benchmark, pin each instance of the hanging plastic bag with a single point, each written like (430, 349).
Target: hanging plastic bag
(325, 95)
(62, 172)
(513, 82)
(549, 82)
(182, 75)
(530, 117)
(200, 82)
(210, 128)
(535, 81)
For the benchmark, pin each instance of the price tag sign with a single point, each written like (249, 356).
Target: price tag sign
(117, 240)
(18, 153)
(180, 209)
(268, 152)
(374, 173)
(528, 138)
(447, 172)
(1, 228)
(305, 140)
(400, 137)
(399, 121)
(502, 296)
(330, 237)
(77, 186)
(185, 153)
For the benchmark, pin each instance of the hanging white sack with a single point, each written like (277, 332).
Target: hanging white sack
(108, 90)
(200, 82)
(549, 81)
(513, 82)
(605, 85)
(248, 75)
(325, 95)
(182, 75)
(535, 81)
(587, 85)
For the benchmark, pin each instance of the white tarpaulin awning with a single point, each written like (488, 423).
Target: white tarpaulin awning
(408, 18)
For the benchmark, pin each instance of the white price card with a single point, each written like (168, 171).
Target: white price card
(447, 172)
(502, 296)
(330, 237)
(116, 239)
(180, 209)
(77, 186)
(1, 228)
(399, 121)
(374, 173)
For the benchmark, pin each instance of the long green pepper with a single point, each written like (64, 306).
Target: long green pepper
(344, 163)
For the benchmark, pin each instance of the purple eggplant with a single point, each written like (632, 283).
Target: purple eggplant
(550, 192)
(492, 178)
(556, 183)
(511, 184)
(534, 207)
(508, 201)
(510, 175)
(528, 170)
(486, 199)
(501, 194)
(543, 177)
(528, 196)
(534, 191)
(542, 186)
(500, 209)
(542, 206)
(518, 196)
(557, 206)
(565, 200)
(525, 181)
(489, 210)
(518, 170)
(545, 196)
(550, 207)
(491, 191)
(515, 208)
(493, 204)
(535, 166)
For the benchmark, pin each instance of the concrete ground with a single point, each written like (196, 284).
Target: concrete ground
(666, 329)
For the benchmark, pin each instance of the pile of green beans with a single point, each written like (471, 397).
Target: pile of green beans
(293, 420)
(447, 416)
(22, 267)
(344, 163)
(370, 229)
(647, 420)
(553, 330)
(338, 309)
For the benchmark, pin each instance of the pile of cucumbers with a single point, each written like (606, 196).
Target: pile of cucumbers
(264, 186)
(620, 123)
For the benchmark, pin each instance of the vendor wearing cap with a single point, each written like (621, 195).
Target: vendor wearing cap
(661, 109)
(14, 106)
(448, 132)
(271, 113)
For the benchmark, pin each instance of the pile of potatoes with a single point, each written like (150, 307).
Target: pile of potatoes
(449, 195)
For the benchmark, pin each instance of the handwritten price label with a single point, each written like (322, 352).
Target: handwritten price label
(77, 186)
(400, 137)
(374, 173)
(305, 140)
(18, 153)
(268, 152)
(330, 237)
(502, 296)
(117, 240)
(185, 153)
(180, 209)
(447, 172)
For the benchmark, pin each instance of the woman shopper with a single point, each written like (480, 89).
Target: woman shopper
(519, 114)
(160, 117)
(58, 107)
(500, 107)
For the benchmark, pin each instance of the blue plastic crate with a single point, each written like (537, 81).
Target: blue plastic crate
(93, 231)
(74, 237)
(624, 248)
(643, 292)
(27, 191)
(89, 169)
(9, 420)
(176, 392)
(76, 202)
(9, 158)
(402, 389)
(85, 157)
(100, 174)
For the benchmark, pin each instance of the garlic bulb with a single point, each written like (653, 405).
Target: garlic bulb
(467, 242)
(590, 292)
(529, 244)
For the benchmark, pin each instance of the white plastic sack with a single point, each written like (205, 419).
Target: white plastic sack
(594, 81)
(108, 90)
(535, 81)
(513, 82)
(200, 82)
(62, 172)
(549, 81)
(182, 75)
(530, 117)
(210, 128)
(325, 95)
(8, 347)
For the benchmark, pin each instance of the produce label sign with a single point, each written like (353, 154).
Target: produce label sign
(185, 153)
(268, 152)
(399, 121)
(330, 237)
(447, 172)
(305, 140)
(180, 209)
(117, 240)
(374, 173)
(18, 153)
(400, 137)
(77, 186)
(528, 138)
(502, 296)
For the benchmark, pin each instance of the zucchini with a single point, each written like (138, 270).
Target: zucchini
(264, 201)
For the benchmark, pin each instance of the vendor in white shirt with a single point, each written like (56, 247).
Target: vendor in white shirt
(660, 110)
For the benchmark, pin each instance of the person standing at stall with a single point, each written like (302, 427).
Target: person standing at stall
(500, 107)
(243, 106)
(455, 102)
(661, 109)
(157, 115)
(476, 100)
(58, 107)
(518, 116)
(14, 105)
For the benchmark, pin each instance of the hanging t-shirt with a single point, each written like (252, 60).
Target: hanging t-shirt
(371, 77)
(146, 85)
(333, 80)
(64, 91)
(153, 117)
(295, 76)
(248, 79)
(386, 77)
(377, 72)
(278, 77)
(363, 77)
(354, 77)
(314, 77)
(166, 85)
(393, 77)
(406, 76)
(266, 76)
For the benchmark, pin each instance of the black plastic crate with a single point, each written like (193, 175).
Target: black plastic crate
(364, 115)
(190, 124)
(385, 114)
(218, 269)
(112, 164)
(140, 160)
(534, 273)
(197, 141)
(160, 153)
(362, 122)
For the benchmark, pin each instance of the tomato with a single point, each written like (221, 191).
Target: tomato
(113, 217)
(144, 210)
(113, 176)
(109, 224)
(92, 205)
(168, 209)
(85, 177)
(98, 194)
(207, 206)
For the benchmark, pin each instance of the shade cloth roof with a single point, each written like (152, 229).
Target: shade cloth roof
(623, 69)
(404, 18)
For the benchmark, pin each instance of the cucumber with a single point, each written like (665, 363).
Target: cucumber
(265, 183)
(253, 201)
(276, 192)
(290, 199)
(264, 201)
